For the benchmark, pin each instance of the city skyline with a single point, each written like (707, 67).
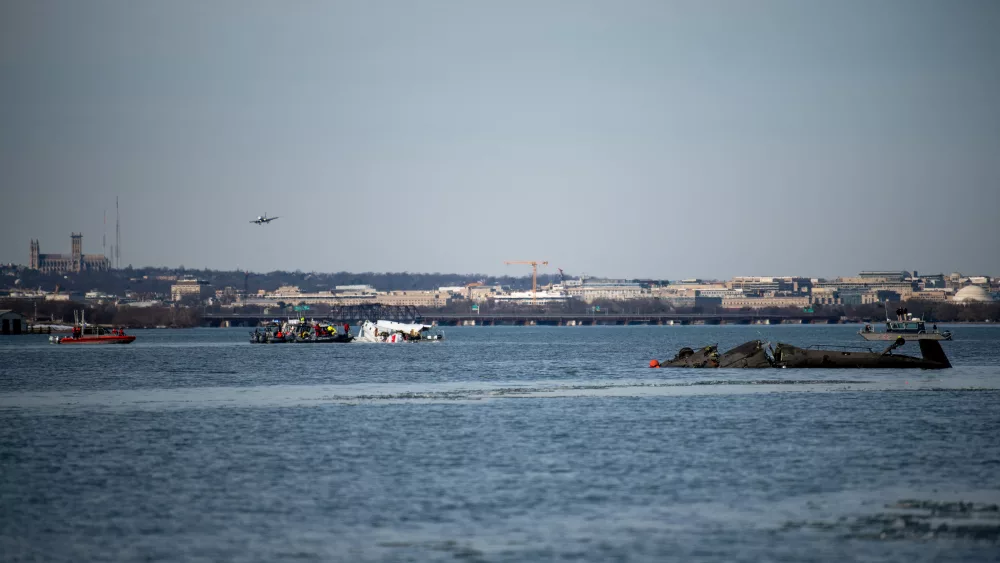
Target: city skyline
(635, 140)
(556, 272)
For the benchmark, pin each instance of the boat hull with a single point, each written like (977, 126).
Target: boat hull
(339, 339)
(97, 340)
(326, 340)
(890, 336)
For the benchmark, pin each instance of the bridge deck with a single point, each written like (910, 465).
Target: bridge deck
(541, 318)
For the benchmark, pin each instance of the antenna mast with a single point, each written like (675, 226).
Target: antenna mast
(118, 237)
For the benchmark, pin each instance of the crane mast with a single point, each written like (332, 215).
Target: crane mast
(534, 274)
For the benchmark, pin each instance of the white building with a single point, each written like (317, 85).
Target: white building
(589, 292)
(972, 294)
(521, 297)
(190, 288)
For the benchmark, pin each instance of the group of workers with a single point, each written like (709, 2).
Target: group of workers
(902, 314)
(318, 330)
(77, 332)
(330, 330)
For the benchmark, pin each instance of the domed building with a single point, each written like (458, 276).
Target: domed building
(972, 294)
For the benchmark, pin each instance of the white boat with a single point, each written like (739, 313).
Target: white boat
(392, 332)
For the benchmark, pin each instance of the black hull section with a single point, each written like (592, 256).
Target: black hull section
(339, 339)
(788, 356)
(754, 354)
(747, 355)
(263, 339)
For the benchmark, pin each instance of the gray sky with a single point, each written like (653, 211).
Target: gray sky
(633, 139)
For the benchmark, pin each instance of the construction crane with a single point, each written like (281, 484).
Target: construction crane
(534, 274)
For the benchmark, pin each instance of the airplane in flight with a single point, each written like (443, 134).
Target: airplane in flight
(263, 220)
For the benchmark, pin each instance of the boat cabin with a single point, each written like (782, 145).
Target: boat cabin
(914, 326)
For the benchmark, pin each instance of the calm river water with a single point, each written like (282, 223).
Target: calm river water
(498, 444)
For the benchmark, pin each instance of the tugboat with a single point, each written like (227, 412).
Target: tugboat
(83, 334)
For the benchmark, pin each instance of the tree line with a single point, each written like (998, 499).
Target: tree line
(61, 312)
(143, 280)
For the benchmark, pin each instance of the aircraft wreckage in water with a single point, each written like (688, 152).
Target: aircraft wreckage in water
(758, 354)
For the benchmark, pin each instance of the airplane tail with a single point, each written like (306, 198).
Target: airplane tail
(931, 350)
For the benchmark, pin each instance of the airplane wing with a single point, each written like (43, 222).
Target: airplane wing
(269, 219)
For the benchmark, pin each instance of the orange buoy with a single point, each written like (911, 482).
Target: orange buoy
(654, 363)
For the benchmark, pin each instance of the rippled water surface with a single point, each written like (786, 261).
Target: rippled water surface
(498, 444)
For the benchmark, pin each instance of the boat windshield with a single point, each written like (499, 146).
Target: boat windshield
(906, 326)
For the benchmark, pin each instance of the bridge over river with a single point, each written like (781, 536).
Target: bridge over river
(355, 315)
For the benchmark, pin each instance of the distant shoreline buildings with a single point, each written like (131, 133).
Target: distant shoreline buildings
(745, 293)
(739, 293)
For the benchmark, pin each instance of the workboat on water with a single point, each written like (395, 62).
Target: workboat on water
(392, 332)
(82, 333)
(314, 332)
(298, 331)
(758, 354)
(910, 329)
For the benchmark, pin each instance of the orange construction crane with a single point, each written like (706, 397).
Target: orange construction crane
(534, 274)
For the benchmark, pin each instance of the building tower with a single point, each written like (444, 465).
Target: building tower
(76, 252)
(33, 257)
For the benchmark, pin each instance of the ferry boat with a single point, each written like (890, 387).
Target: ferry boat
(910, 329)
(84, 334)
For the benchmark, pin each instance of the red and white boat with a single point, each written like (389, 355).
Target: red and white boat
(83, 334)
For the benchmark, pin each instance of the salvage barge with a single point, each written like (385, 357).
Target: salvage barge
(758, 354)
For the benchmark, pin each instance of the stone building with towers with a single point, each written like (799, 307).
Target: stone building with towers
(75, 261)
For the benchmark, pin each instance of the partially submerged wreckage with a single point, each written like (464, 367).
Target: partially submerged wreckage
(758, 354)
